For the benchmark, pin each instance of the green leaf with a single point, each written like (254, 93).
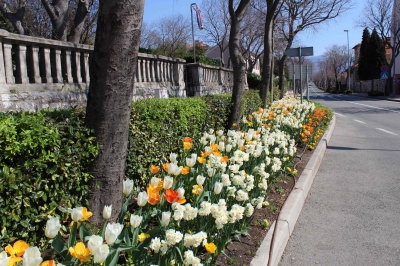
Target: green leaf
(72, 236)
(124, 208)
(84, 232)
(58, 244)
(112, 258)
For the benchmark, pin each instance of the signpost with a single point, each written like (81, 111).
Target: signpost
(299, 52)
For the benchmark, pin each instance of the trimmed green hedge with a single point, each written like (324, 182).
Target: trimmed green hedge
(44, 165)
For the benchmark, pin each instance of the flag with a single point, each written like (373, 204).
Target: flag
(199, 17)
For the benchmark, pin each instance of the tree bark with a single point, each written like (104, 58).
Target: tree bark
(272, 6)
(58, 13)
(17, 18)
(238, 63)
(79, 21)
(281, 63)
(110, 95)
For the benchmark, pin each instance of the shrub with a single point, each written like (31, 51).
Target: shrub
(376, 93)
(44, 166)
(254, 81)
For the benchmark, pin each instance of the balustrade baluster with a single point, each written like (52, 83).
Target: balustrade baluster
(76, 61)
(34, 70)
(3, 79)
(56, 66)
(85, 68)
(45, 65)
(21, 67)
(67, 66)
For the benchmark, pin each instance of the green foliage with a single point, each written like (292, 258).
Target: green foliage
(158, 126)
(363, 61)
(202, 59)
(44, 165)
(254, 80)
(377, 55)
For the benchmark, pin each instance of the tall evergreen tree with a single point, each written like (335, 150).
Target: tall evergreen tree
(377, 55)
(363, 62)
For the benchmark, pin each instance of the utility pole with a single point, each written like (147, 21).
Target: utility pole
(348, 59)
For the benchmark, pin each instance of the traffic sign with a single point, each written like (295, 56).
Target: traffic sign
(385, 68)
(301, 51)
(384, 75)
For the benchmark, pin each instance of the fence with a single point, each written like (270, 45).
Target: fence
(38, 73)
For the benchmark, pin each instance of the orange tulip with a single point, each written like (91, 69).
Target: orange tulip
(187, 145)
(171, 195)
(187, 139)
(185, 170)
(154, 169)
(154, 197)
(165, 167)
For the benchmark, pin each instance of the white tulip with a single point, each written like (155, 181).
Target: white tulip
(112, 232)
(228, 147)
(172, 157)
(168, 182)
(221, 146)
(142, 198)
(127, 187)
(76, 214)
(200, 180)
(135, 220)
(4, 259)
(181, 192)
(218, 187)
(52, 227)
(154, 181)
(31, 257)
(166, 216)
(107, 210)
(94, 242)
(101, 253)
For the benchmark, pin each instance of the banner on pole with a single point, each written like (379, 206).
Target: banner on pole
(199, 17)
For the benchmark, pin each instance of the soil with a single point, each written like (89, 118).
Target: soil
(240, 251)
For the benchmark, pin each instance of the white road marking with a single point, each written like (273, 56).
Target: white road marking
(359, 121)
(386, 131)
(338, 114)
(389, 110)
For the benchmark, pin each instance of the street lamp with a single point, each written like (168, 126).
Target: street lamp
(348, 58)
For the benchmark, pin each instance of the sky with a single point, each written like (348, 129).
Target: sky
(328, 34)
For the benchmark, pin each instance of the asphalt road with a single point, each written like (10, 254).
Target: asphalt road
(352, 214)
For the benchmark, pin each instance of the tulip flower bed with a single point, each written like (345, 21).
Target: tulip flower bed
(194, 203)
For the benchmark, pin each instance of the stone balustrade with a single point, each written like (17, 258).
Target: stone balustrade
(37, 73)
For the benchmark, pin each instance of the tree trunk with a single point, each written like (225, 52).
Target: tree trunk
(16, 19)
(58, 13)
(79, 21)
(266, 70)
(110, 95)
(282, 76)
(238, 63)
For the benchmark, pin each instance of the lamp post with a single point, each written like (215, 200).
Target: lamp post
(348, 58)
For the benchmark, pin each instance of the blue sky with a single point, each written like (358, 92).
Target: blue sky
(328, 34)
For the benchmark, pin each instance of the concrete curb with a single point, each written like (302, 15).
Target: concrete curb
(292, 207)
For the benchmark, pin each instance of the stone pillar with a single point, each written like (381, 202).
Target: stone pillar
(157, 71)
(67, 66)
(139, 71)
(85, 68)
(151, 71)
(2, 68)
(21, 70)
(146, 70)
(56, 66)
(45, 66)
(76, 61)
(34, 73)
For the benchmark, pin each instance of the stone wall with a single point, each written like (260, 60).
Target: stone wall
(37, 73)
(369, 85)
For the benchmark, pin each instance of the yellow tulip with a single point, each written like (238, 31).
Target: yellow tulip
(18, 249)
(142, 237)
(81, 252)
(210, 247)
